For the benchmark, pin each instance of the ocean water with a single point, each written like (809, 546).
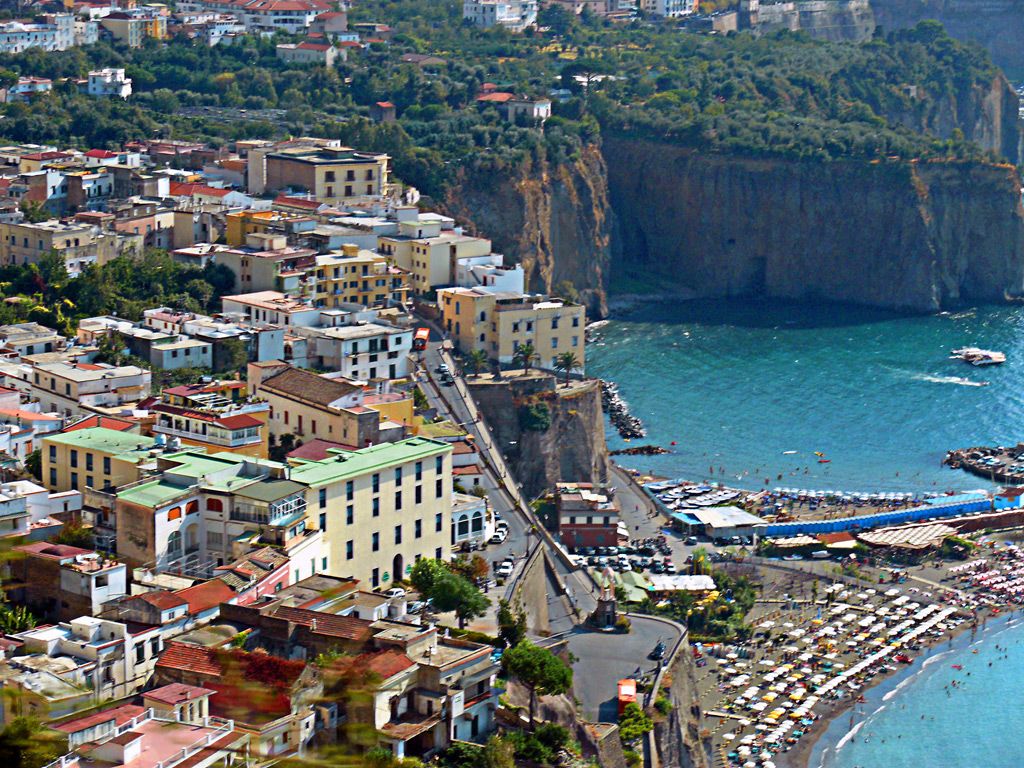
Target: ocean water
(737, 383)
(923, 721)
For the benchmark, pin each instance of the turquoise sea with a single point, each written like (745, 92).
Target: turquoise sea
(921, 720)
(737, 383)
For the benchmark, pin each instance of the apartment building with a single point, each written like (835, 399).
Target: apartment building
(54, 32)
(109, 82)
(430, 254)
(588, 516)
(267, 263)
(513, 15)
(361, 351)
(214, 415)
(60, 582)
(79, 244)
(311, 407)
(22, 339)
(309, 53)
(334, 175)
(78, 388)
(132, 26)
(95, 457)
(381, 508)
(271, 307)
(358, 276)
(240, 224)
(498, 323)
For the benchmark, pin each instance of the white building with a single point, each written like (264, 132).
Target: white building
(109, 82)
(472, 524)
(488, 272)
(55, 33)
(668, 9)
(27, 87)
(361, 351)
(515, 15)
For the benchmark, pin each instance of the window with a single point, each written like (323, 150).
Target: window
(74, 481)
(323, 563)
(375, 546)
(375, 483)
(53, 453)
(323, 499)
(554, 323)
(437, 553)
(323, 521)
(376, 507)
(350, 490)
(74, 458)
(88, 462)
(439, 488)
(398, 475)
(418, 529)
(349, 549)
(439, 464)
(419, 494)
(398, 500)
(106, 465)
(174, 513)
(140, 653)
(438, 522)
(398, 534)
(88, 481)
(53, 476)
(350, 514)
(554, 343)
(214, 539)
(375, 578)
(214, 505)
(576, 322)
(419, 471)
(575, 341)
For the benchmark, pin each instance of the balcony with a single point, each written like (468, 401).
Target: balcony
(235, 440)
(269, 514)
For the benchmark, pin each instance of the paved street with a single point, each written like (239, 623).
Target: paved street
(604, 658)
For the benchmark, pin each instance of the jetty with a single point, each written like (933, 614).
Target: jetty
(1000, 464)
(626, 424)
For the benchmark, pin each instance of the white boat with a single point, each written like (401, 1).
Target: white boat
(977, 356)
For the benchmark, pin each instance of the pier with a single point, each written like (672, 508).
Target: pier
(999, 464)
(626, 424)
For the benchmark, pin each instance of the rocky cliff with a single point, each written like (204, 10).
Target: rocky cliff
(679, 738)
(998, 25)
(553, 433)
(902, 235)
(554, 219)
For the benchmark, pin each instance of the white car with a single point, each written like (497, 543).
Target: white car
(499, 536)
(395, 592)
(505, 570)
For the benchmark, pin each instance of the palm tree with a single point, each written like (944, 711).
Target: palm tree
(476, 361)
(567, 362)
(526, 356)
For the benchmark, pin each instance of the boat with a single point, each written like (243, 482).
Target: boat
(902, 658)
(977, 356)
(824, 461)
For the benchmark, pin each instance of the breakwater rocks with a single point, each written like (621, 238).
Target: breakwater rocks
(1000, 464)
(639, 450)
(625, 423)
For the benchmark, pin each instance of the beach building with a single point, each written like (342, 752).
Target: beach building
(588, 516)
(720, 522)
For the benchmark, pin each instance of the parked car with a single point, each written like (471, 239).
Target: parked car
(658, 653)
(691, 541)
(670, 567)
(442, 368)
(505, 569)
(499, 536)
(395, 592)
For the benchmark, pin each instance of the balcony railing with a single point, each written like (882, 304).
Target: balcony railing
(248, 437)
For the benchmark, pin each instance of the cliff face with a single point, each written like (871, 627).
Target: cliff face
(678, 739)
(552, 219)
(834, 20)
(910, 236)
(571, 448)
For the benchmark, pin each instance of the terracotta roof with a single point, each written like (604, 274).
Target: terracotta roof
(498, 97)
(108, 422)
(101, 154)
(317, 450)
(834, 538)
(120, 715)
(209, 594)
(297, 202)
(176, 693)
(385, 664)
(190, 190)
(469, 469)
(189, 658)
(346, 627)
(53, 551)
(241, 421)
(314, 47)
(307, 386)
(162, 600)
(17, 413)
(385, 105)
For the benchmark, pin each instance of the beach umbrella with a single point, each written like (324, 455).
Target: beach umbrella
(728, 736)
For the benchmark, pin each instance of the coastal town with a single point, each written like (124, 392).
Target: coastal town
(316, 435)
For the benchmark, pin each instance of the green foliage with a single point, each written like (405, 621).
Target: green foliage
(34, 211)
(663, 704)
(511, 624)
(476, 361)
(498, 753)
(452, 592)
(717, 621)
(74, 534)
(419, 400)
(279, 448)
(525, 356)
(633, 723)
(425, 573)
(462, 755)
(34, 464)
(15, 618)
(534, 417)
(27, 743)
(543, 673)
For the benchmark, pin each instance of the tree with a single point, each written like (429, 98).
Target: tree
(34, 464)
(633, 723)
(233, 355)
(27, 743)
(526, 356)
(476, 361)
(511, 624)
(543, 673)
(453, 592)
(567, 362)
(425, 573)
(34, 211)
(74, 534)
(499, 753)
(14, 619)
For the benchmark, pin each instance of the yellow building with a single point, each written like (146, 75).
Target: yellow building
(498, 323)
(333, 174)
(429, 255)
(240, 224)
(357, 276)
(381, 508)
(132, 27)
(93, 458)
(79, 244)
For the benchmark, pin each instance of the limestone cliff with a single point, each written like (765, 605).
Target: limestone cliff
(900, 235)
(834, 20)
(554, 219)
(570, 448)
(679, 738)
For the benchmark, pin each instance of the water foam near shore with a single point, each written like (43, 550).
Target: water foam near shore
(936, 716)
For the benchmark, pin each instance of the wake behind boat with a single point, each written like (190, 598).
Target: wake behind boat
(978, 356)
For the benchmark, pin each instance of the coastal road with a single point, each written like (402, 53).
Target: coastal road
(602, 659)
